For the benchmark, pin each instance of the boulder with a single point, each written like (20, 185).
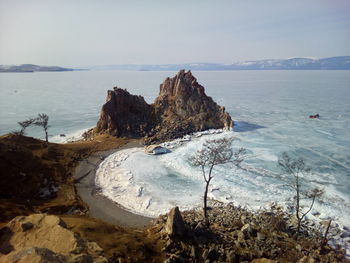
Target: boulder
(45, 231)
(174, 225)
(182, 107)
(45, 238)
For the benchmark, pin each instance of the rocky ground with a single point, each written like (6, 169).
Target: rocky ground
(42, 219)
(72, 239)
(238, 235)
(234, 235)
(36, 180)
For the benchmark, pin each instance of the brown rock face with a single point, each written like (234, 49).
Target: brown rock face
(44, 238)
(175, 225)
(182, 107)
(124, 114)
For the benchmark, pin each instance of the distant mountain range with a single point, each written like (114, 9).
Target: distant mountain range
(333, 63)
(30, 68)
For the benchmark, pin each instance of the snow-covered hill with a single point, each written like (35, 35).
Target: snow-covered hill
(267, 64)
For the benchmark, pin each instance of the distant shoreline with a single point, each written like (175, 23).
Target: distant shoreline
(297, 63)
(301, 63)
(34, 71)
(172, 70)
(29, 68)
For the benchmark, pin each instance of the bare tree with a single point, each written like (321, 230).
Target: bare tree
(296, 168)
(43, 121)
(24, 125)
(215, 152)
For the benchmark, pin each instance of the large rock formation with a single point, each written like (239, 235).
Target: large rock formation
(182, 107)
(124, 114)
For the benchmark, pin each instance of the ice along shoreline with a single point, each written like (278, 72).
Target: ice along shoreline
(99, 206)
(122, 185)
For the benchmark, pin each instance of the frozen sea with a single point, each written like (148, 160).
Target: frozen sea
(270, 109)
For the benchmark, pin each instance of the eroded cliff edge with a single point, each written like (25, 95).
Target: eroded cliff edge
(182, 107)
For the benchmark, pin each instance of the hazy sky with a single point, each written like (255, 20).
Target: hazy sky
(97, 32)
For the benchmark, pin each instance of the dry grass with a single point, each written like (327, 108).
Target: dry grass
(27, 162)
(131, 245)
(28, 165)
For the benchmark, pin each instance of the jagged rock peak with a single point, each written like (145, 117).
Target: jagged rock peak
(182, 107)
(182, 101)
(182, 83)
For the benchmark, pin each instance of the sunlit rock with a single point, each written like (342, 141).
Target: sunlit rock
(182, 107)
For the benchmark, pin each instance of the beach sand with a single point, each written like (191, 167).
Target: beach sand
(99, 206)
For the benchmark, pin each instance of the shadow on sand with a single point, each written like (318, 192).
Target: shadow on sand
(242, 126)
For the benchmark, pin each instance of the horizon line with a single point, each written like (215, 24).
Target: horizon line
(183, 63)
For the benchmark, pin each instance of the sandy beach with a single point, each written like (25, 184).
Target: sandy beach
(99, 206)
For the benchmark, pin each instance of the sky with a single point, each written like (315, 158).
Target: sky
(104, 32)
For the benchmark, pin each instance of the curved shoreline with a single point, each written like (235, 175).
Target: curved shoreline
(99, 206)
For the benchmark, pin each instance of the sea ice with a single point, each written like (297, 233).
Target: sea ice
(152, 184)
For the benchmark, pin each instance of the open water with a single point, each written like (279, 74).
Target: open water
(271, 111)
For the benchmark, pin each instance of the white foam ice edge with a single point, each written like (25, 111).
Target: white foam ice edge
(151, 185)
(70, 137)
(130, 177)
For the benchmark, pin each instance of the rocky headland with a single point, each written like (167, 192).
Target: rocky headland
(181, 108)
(44, 219)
